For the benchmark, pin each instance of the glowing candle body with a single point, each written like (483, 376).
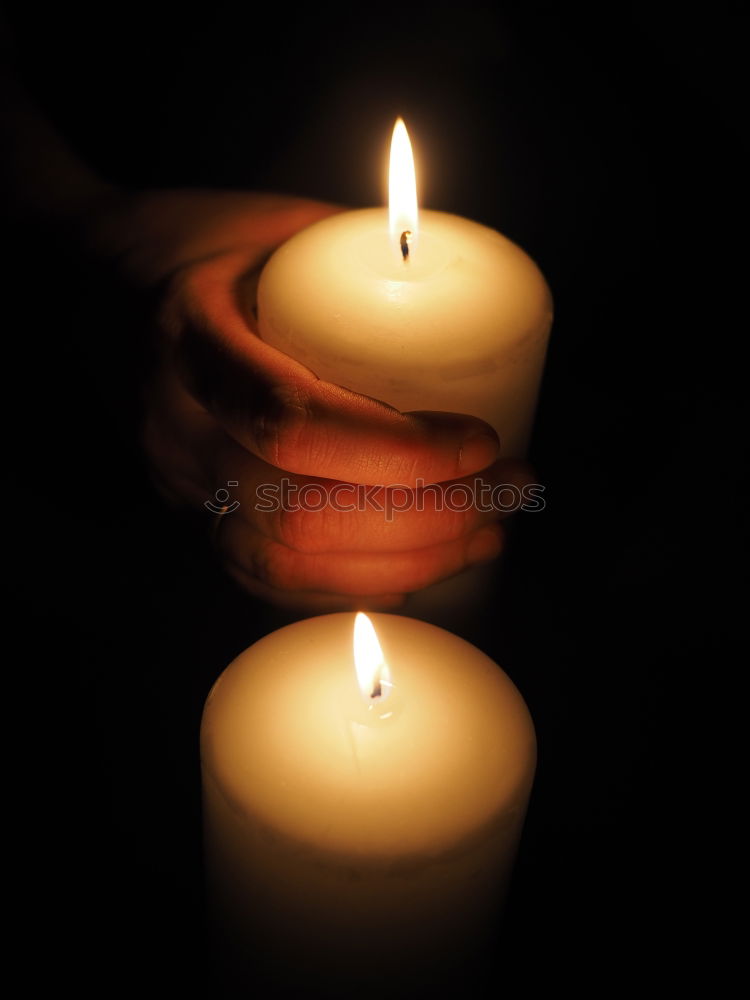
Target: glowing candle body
(460, 326)
(343, 840)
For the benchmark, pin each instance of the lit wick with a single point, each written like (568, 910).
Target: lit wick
(404, 241)
(377, 683)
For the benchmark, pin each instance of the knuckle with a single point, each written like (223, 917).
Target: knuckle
(317, 530)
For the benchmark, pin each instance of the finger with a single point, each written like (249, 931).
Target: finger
(360, 573)
(316, 515)
(280, 411)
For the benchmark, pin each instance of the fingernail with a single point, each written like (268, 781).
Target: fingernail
(485, 545)
(478, 451)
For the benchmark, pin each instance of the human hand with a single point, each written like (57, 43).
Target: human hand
(223, 407)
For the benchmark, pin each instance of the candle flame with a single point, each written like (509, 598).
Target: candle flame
(402, 188)
(372, 670)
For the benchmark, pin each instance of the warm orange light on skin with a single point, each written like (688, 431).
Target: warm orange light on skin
(372, 671)
(402, 191)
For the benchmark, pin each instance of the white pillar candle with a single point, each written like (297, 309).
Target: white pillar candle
(459, 325)
(348, 836)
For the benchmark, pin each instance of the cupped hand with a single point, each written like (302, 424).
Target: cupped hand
(318, 493)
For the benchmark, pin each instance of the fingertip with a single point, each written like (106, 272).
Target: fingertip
(478, 451)
(485, 544)
(459, 444)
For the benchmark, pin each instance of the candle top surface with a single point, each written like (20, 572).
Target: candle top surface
(460, 326)
(357, 300)
(291, 743)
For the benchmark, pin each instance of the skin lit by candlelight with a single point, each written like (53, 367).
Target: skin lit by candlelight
(372, 670)
(402, 188)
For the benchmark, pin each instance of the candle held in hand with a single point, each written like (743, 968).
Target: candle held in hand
(357, 828)
(423, 310)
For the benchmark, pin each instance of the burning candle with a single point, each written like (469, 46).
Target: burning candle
(356, 828)
(423, 310)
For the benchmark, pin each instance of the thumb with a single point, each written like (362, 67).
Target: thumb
(282, 412)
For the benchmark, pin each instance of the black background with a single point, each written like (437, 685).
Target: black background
(610, 147)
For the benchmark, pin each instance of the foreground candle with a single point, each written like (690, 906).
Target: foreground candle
(424, 310)
(353, 830)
